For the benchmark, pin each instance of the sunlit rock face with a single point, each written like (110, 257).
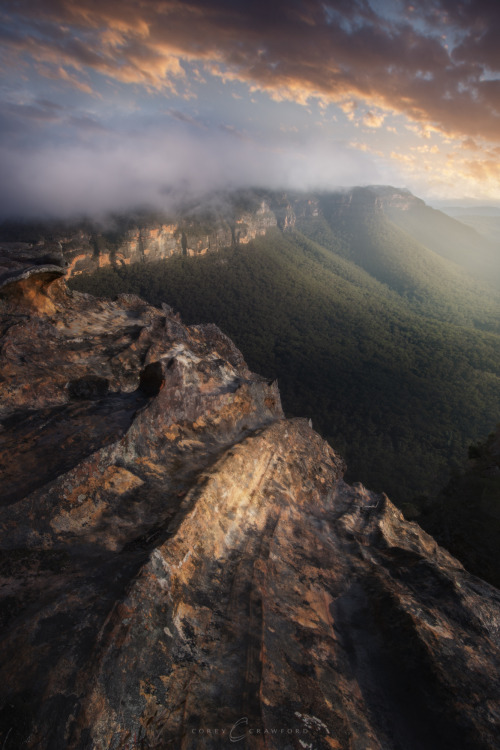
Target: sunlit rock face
(251, 224)
(123, 241)
(84, 252)
(156, 241)
(182, 567)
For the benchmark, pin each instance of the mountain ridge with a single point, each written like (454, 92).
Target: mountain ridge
(235, 219)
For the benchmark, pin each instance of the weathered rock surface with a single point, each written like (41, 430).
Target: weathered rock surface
(182, 567)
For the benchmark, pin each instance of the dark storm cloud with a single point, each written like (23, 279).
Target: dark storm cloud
(290, 48)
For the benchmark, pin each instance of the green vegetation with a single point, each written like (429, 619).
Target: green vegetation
(478, 254)
(388, 347)
(465, 517)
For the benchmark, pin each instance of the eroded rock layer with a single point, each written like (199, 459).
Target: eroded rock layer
(149, 239)
(182, 567)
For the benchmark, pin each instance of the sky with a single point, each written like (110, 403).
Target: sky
(112, 104)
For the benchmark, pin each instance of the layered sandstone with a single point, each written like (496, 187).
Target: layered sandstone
(182, 567)
(154, 240)
(229, 221)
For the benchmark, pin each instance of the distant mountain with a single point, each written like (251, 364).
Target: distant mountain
(406, 245)
(392, 349)
(488, 225)
(459, 211)
(446, 236)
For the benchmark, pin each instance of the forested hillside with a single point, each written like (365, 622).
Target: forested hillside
(389, 348)
(465, 517)
(472, 248)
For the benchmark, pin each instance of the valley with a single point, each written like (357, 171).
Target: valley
(391, 348)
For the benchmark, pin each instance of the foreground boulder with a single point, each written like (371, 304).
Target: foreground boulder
(182, 567)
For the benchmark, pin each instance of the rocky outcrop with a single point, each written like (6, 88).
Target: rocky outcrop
(249, 225)
(26, 275)
(183, 567)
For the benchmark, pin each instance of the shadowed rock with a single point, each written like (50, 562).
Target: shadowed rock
(89, 387)
(152, 380)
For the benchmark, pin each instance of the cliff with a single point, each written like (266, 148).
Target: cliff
(183, 567)
(231, 220)
(122, 241)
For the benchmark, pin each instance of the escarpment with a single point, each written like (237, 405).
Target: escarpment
(86, 247)
(183, 567)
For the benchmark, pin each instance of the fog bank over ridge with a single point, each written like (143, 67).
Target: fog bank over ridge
(156, 170)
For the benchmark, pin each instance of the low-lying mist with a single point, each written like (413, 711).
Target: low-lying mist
(161, 170)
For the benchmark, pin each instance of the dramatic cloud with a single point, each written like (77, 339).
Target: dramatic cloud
(110, 103)
(431, 61)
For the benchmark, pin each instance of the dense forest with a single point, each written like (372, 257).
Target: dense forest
(465, 516)
(390, 349)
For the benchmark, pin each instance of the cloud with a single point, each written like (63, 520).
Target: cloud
(31, 123)
(234, 132)
(57, 72)
(39, 111)
(435, 64)
(156, 168)
(175, 114)
(374, 119)
(432, 63)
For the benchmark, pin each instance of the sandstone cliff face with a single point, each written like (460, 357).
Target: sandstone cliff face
(209, 230)
(154, 242)
(85, 252)
(182, 567)
(250, 225)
